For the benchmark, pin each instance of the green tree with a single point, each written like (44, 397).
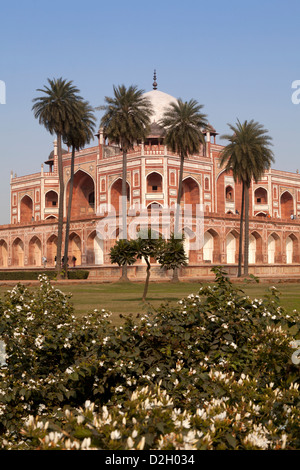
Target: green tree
(58, 111)
(184, 123)
(148, 245)
(248, 156)
(126, 120)
(173, 255)
(80, 134)
(147, 248)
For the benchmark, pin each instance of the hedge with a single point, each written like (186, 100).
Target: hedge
(34, 275)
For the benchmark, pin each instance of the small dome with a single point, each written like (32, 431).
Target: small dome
(160, 101)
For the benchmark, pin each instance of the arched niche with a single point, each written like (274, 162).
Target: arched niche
(154, 182)
(116, 194)
(35, 252)
(83, 197)
(26, 210)
(286, 205)
(18, 252)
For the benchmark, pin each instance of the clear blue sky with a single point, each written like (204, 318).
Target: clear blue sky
(236, 58)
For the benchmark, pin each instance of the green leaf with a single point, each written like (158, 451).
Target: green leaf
(231, 440)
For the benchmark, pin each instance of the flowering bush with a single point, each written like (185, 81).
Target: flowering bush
(214, 372)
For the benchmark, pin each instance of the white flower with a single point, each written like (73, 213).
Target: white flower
(141, 444)
(130, 442)
(114, 435)
(220, 416)
(86, 443)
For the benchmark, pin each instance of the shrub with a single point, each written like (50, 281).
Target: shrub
(34, 275)
(213, 372)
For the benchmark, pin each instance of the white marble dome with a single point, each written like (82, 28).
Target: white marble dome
(160, 101)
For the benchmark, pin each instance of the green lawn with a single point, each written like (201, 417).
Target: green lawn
(125, 298)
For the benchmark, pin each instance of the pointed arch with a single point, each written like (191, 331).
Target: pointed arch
(3, 254)
(83, 198)
(35, 251)
(261, 195)
(191, 191)
(231, 247)
(255, 247)
(51, 198)
(292, 248)
(154, 182)
(115, 193)
(18, 252)
(26, 209)
(261, 214)
(75, 248)
(286, 204)
(95, 249)
(51, 248)
(273, 245)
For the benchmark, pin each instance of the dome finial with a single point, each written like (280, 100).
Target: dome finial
(154, 83)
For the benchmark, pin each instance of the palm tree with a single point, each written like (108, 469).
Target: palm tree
(126, 120)
(184, 124)
(57, 110)
(81, 134)
(248, 155)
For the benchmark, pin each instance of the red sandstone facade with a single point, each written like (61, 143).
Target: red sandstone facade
(152, 177)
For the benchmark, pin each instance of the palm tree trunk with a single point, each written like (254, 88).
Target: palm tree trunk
(65, 266)
(147, 280)
(124, 210)
(241, 233)
(60, 205)
(176, 226)
(179, 194)
(246, 249)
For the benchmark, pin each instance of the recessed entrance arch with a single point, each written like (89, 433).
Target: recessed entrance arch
(255, 248)
(3, 254)
(74, 248)
(231, 246)
(287, 205)
(208, 247)
(51, 250)
(95, 249)
(154, 183)
(51, 199)
(18, 252)
(116, 194)
(252, 249)
(211, 246)
(190, 192)
(273, 248)
(261, 196)
(289, 249)
(35, 252)
(26, 210)
(83, 198)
